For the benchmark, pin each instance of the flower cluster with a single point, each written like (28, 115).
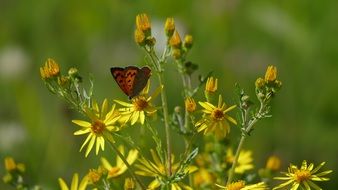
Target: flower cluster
(208, 158)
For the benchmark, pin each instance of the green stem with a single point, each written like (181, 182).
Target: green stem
(130, 169)
(157, 64)
(166, 123)
(247, 128)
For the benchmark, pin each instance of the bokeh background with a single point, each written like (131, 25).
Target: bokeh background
(235, 39)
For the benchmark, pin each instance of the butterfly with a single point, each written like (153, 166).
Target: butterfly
(132, 80)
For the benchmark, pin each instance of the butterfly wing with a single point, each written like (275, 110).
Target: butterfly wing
(119, 76)
(130, 76)
(131, 79)
(140, 81)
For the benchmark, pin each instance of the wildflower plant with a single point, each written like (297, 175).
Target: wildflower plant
(203, 121)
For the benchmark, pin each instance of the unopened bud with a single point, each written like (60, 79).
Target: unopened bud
(190, 104)
(177, 109)
(259, 83)
(271, 74)
(188, 41)
(139, 37)
(169, 27)
(176, 53)
(175, 40)
(129, 184)
(273, 163)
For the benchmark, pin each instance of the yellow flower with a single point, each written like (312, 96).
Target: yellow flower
(215, 118)
(190, 104)
(244, 162)
(211, 85)
(175, 40)
(143, 23)
(120, 167)
(240, 185)
(169, 27)
(75, 183)
(157, 169)
(273, 163)
(139, 108)
(129, 184)
(303, 177)
(10, 165)
(50, 69)
(271, 74)
(102, 123)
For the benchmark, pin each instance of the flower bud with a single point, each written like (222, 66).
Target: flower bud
(176, 53)
(63, 81)
(150, 41)
(143, 24)
(259, 83)
(188, 41)
(271, 74)
(7, 178)
(50, 69)
(190, 104)
(177, 109)
(74, 74)
(129, 184)
(273, 163)
(169, 27)
(139, 37)
(175, 40)
(211, 85)
(10, 164)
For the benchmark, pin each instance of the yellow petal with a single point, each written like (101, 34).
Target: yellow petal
(86, 141)
(90, 145)
(75, 182)
(154, 184)
(82, 123)
(123, 103)
(142, 117)
(229, 108)
(134, 117)
(155, 157)
(83, 183)
(82, 131)
(104, 108)
(106, 164)
(207, 106)
(232, 120)
(63, 184)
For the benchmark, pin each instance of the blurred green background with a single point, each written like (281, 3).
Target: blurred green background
(235, 39)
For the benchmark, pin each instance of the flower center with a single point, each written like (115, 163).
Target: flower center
(94, 175)
(140, 103)
(217, 114)
(98, 126)
(302, 175)
(236, 186)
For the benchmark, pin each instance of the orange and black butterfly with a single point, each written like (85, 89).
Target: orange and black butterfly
(132, 80)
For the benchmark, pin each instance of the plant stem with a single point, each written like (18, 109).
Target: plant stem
(130, 169)
(166, 123)
(232, 170)
(246, 129)
(157, 64)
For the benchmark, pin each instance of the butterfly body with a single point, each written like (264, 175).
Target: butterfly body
(131, 79)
